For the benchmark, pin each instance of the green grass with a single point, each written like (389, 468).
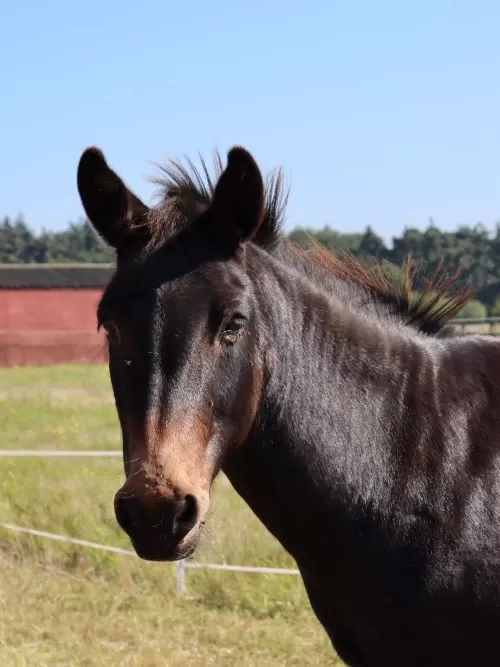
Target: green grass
(67, 605)
(58, 407)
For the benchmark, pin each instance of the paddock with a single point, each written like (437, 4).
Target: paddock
(59, 541)
(64, 557)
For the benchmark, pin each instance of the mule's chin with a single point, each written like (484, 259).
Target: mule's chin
(155, 550)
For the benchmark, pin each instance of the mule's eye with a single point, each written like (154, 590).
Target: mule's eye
(112, 332)
(232, 329)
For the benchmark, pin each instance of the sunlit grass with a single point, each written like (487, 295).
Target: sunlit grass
(59, 407)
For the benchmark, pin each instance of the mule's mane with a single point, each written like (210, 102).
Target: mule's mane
(427, 304)
(186, 191)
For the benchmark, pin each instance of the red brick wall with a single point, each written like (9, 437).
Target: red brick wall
(45, 326)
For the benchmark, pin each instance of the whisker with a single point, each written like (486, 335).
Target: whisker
(126, 494)
(130, 461)
(136, 472)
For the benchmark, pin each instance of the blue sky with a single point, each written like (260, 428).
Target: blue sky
(382, 113)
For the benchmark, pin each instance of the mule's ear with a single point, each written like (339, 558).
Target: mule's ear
(115, 212)
(237, 207)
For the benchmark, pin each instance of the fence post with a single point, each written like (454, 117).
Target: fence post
(180, 577)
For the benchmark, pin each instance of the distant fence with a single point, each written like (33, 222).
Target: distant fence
(37, 347)
(180, 566)
(483, 325)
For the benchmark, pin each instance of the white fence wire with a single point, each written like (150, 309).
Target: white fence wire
(56, 453)
(180, 566)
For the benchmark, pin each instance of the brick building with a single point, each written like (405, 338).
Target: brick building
(47, 313)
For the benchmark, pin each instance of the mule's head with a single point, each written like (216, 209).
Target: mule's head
(185, 350)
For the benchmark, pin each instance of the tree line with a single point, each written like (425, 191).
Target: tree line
(472, 249)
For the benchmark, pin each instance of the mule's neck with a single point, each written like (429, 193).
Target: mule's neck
(334, 409)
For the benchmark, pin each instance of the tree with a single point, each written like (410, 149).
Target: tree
(78, 243)
(495, 308)
(371, 245)
(474, 310)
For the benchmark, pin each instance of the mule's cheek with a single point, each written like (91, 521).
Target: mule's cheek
(240, 405)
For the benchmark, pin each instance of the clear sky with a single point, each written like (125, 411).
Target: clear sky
(381, 112)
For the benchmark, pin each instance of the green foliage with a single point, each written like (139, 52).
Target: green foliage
(495, 308)
(78, 243)
(474, 310)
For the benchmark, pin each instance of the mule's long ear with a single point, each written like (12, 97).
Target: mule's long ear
(115, 212)
(237, 208)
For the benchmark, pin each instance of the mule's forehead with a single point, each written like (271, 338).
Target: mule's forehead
(145, 288)
(122, 294)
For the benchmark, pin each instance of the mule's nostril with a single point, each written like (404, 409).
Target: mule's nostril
(187, 515)
(149, 519)
(126, 511)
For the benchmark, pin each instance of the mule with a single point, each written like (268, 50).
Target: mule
(356, 426)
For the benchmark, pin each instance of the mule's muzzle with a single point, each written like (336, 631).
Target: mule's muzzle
(160, 529)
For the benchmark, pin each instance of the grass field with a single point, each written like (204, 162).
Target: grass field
(66, 605)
